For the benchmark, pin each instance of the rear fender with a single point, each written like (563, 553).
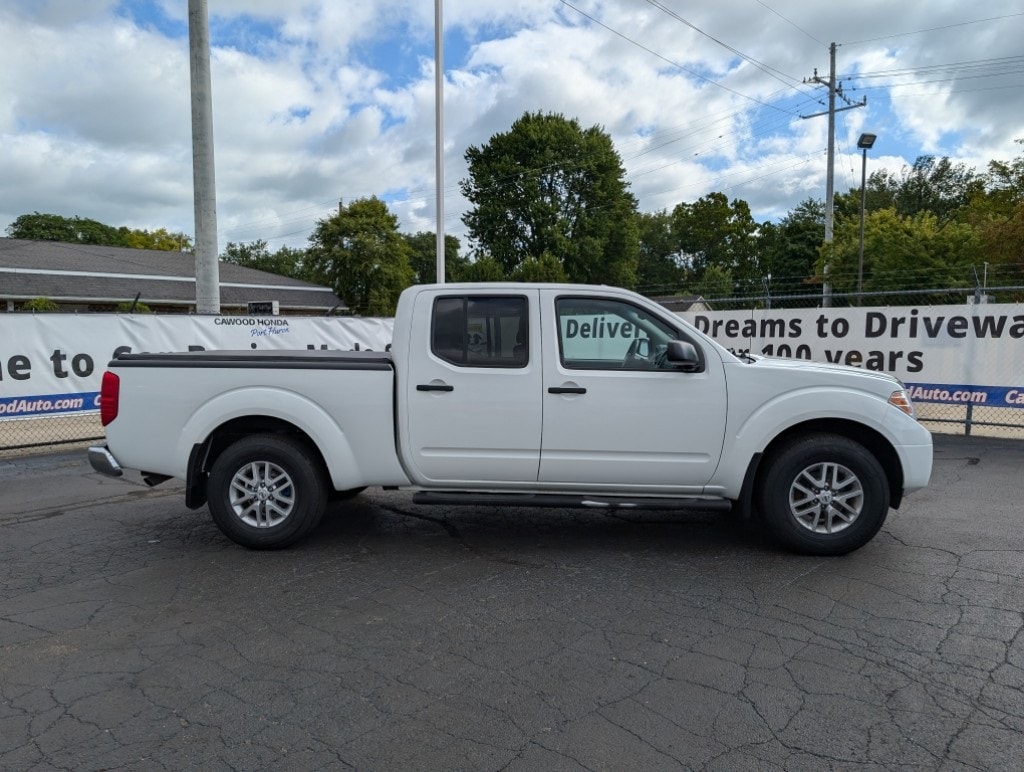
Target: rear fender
(327, 436)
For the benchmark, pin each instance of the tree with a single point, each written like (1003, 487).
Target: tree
(545, 268)
(70, 230)
(903, 253)
(484, 268)
(160, 239)
(79, 230)
(549, 186)
(424, 257)
(999, 217)
(286, 261)
(930, 185)
(359, 252)
(658, 269)
(716, 232)
(788, 250)
(715, 283)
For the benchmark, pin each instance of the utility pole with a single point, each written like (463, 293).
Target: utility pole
(203, 183)
(834, 90)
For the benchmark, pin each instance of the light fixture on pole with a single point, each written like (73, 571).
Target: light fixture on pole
(865, 143)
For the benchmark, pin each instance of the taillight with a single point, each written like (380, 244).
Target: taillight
(110, 392)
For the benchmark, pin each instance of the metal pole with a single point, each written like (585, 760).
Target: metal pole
(439, 132)
(203, 182)
(863, 205)
(826, 289)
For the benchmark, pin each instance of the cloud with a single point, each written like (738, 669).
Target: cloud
(320, 100)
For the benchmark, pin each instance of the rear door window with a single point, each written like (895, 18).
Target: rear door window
(481, 331)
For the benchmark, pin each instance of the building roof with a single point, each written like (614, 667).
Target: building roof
(680, 303)
(86, 273)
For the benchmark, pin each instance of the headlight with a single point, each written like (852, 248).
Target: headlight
(901, 399)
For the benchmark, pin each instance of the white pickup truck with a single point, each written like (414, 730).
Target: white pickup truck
(533, 395)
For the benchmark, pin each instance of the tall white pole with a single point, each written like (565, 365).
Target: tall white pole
(439, 133)
(203, 182)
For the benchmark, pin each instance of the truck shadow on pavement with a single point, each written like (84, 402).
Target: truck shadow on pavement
(389, 517)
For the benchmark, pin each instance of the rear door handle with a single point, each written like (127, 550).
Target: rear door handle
(566, 390)
(434, 387)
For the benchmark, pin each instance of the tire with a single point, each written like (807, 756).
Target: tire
(267, 492)
(824, 495)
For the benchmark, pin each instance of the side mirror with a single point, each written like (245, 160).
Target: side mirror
(683, 355)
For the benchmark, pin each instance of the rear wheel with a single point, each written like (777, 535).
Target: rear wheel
(824, 495)
(267, 491)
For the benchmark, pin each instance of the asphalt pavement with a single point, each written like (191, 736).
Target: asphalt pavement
(134, 636)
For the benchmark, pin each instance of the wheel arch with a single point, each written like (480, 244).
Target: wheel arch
(204, 454)
(875, 442)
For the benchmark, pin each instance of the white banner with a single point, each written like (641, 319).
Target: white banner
(52, 363)
(970, 354)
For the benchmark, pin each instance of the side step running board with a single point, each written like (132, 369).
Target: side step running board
(567, 501)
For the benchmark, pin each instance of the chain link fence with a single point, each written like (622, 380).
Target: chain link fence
(25, 436)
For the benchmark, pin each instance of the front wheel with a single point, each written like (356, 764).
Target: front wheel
(267, 491)
(824, 495)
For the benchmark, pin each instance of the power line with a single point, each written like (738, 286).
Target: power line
(933, 29)
(766, 69)
(670, 61)
(791, 22)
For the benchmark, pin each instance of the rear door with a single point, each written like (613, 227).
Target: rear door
(616, 414)
(473, 387)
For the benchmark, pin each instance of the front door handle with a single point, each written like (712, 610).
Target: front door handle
(434, 387)
(566, 390)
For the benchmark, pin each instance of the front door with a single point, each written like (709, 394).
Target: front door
(616, 413)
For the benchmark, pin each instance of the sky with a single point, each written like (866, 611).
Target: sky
(331, 100)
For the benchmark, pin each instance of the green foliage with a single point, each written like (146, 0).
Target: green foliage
(545, 269)
(286, 261)
(484, 268)
(133, 308)
(549, 186)
(160, 239)
(40, 306)
(936, 186)
(716, 232)
(789, 250)
(902, 253)
(72, 230)
(424, 257)
(715, 283)
(79, 230)
(361, 255)
(658, 269)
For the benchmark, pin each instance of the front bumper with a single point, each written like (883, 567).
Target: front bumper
(104, 462)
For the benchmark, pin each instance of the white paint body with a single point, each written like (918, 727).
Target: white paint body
(656, 433)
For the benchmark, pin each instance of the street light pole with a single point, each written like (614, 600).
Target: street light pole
(864, 143)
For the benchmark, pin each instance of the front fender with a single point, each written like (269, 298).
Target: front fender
(751, 429)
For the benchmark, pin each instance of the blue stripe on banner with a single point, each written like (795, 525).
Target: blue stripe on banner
(961, 394)
(49, 404)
